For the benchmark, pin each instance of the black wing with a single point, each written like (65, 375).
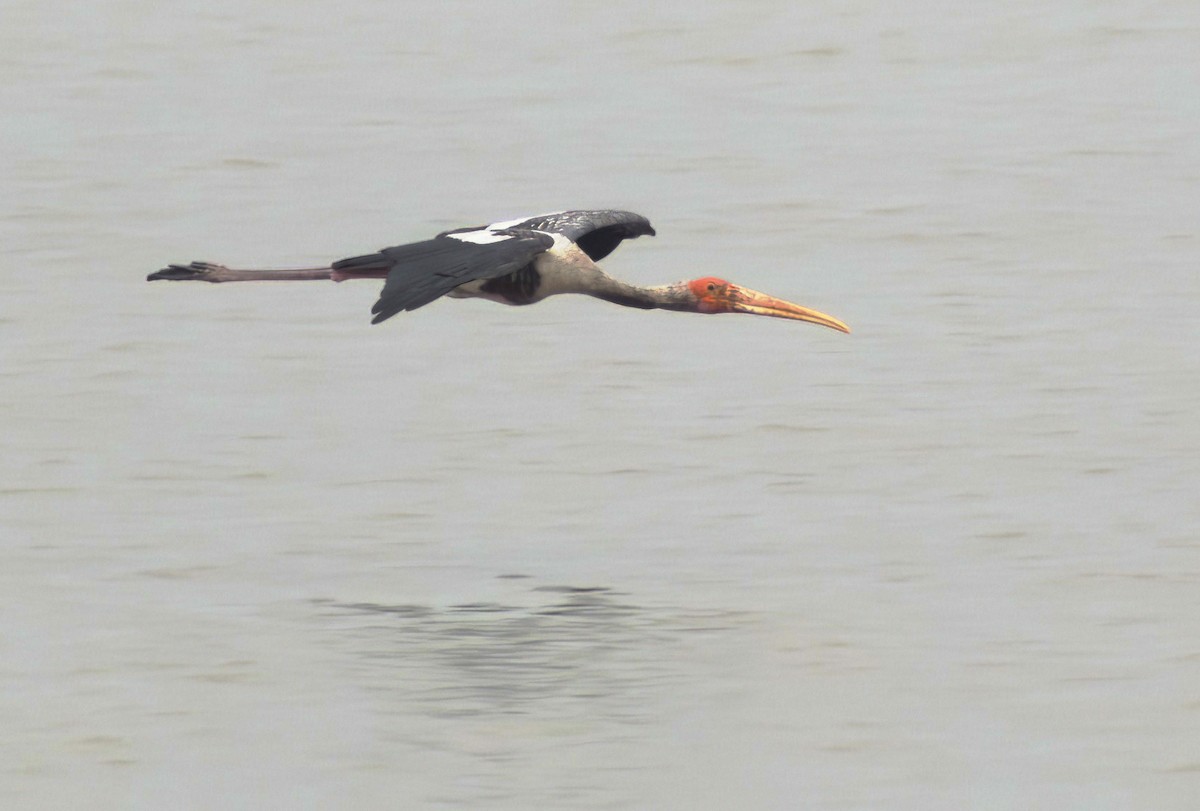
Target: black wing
(423, 271)
(597, 233)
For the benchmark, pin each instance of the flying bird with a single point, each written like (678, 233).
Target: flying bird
(518, 262)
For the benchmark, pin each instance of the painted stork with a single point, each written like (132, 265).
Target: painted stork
(518, 262)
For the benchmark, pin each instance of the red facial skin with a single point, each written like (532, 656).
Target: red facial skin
(712, 294)
(715, 295)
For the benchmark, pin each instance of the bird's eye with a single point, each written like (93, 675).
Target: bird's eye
(712, 288)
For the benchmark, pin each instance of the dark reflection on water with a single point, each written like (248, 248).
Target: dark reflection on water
(566, 651)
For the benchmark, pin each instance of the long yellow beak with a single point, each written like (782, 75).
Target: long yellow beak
(742, 300)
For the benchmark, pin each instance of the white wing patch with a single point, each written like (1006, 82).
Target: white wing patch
(487, 235)
(484, 236)
(499, 226)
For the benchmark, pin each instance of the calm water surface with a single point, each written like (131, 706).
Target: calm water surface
(259, 554)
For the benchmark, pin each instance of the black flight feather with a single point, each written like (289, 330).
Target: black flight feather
(420, 272)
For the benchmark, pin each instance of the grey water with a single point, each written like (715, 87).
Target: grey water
(257, 553)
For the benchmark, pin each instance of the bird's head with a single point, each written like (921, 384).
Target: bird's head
(712, 295)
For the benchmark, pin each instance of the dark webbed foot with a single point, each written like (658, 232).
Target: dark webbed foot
(196, 271)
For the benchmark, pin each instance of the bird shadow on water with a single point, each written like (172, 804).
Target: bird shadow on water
(559, 653)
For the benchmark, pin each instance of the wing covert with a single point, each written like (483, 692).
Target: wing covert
(597, 232)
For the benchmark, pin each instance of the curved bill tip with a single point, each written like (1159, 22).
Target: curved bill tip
(755, 303)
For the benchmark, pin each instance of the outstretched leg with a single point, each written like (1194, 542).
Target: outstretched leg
(210, 272)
